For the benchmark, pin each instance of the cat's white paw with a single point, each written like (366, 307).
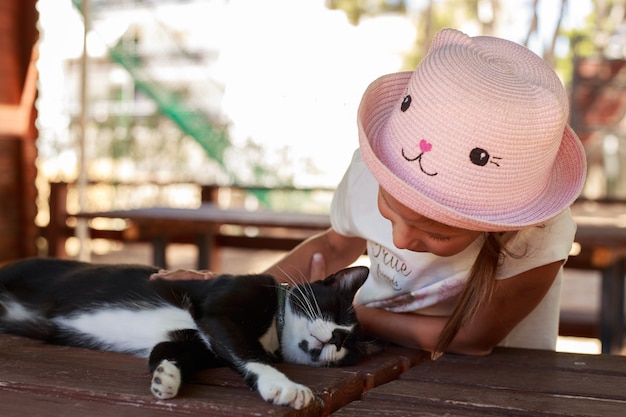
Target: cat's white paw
(288, 393)
(277, 389)
(166, 380)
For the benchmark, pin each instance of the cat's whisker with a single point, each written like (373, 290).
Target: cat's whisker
(291, 279)
(315, 309)
(297, 297)
(306, 294)
(300, 296)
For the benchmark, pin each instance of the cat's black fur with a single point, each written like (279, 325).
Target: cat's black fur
(184, 326)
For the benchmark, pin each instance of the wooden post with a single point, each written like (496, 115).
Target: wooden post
(56, 232)
(208, 249)
(209, 193)
(18, 132)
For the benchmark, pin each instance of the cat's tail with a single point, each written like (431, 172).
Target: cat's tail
(20, 320)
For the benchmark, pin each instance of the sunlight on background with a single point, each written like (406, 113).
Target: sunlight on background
(578, 345)
(293, 71)
(308, 73)
(292, 81)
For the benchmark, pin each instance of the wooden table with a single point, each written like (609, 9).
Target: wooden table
(602, 235)
(45, 380)
(161, 224)
(509, 382)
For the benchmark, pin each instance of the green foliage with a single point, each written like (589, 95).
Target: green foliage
(356, 9)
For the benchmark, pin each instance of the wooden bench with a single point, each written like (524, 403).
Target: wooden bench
(47, 380)
(509, 382)
(174, 228)
(586, 323)
(601, 236)
(161, 225)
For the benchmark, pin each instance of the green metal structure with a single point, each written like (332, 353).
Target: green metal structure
(195, 123)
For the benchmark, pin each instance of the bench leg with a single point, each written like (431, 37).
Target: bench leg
(206, 247)
(208, 256)
(159, 248)
(204, 242)
(612, 308)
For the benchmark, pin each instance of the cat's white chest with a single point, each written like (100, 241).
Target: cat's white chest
(124, 330)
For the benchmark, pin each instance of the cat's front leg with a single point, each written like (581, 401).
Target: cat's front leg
(275, 387)
(231, 343)
(174, 361)
(166, 380)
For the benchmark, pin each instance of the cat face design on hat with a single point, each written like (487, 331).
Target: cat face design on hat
(475, 137)
(478, 156)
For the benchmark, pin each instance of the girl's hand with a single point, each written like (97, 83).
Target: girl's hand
(318, 267)
(183, 274)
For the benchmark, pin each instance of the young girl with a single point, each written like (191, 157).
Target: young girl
(459, 194)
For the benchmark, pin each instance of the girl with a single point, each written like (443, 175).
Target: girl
(459, 194)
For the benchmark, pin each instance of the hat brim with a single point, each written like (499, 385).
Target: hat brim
(564, 186)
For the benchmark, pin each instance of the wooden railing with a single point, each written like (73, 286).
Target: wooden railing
(62, 222)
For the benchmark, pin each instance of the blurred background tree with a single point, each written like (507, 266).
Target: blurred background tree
(145, 142)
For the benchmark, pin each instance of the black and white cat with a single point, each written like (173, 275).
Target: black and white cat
(246, 322)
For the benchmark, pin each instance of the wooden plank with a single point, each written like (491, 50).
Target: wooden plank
(387, 365)
(208, 215)
(333, 387)
(510, 382)
(15, 118)
(20, 404)
(73, 375)
(87, 376)
(452, 398)
(393, 408)
(11, 204)
(197, 401)
(514, 382)
(543, 360)
(528, 378)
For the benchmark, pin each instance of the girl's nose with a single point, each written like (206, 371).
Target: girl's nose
(403, 238)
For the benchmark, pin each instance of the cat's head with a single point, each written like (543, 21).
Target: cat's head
(320, 324)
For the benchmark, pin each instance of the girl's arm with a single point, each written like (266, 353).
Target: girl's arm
(311, 260)
(513, 299)
(333, 250)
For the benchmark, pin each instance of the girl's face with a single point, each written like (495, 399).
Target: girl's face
(417, 233)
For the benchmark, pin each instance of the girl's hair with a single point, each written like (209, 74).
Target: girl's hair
(478, 290)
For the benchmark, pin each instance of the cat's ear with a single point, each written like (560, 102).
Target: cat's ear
(348, 280)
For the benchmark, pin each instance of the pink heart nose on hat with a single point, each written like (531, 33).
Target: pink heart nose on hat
(467, 95)
(425, 146)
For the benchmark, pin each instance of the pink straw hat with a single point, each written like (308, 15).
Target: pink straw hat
(476, 137)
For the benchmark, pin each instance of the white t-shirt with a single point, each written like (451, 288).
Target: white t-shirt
(404, 281)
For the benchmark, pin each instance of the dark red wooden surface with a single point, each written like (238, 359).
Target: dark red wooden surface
(43, 380)
(510, 382)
